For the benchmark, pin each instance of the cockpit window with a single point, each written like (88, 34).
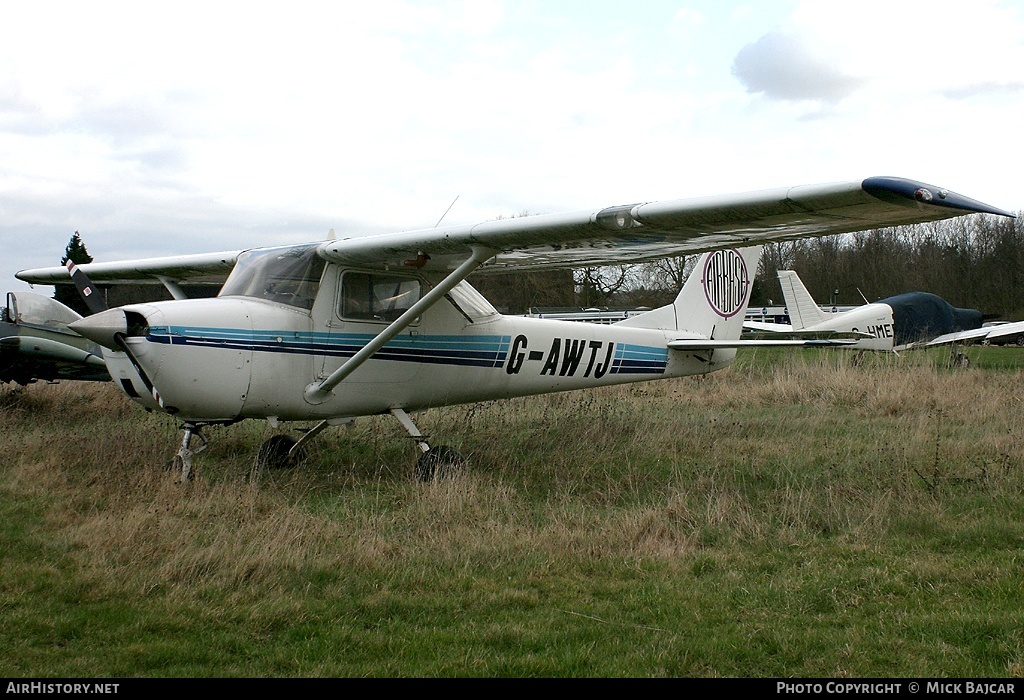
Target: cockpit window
(369, 296)
(28, 308)
(470, 302)
(286, 275)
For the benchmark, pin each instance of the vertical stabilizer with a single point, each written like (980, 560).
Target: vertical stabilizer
(803, 311)
(714, 299)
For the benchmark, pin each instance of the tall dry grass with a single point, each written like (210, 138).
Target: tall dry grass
(763, 455)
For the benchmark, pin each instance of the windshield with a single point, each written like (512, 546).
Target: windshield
(286, 275)
(36, 310)
(471, 302)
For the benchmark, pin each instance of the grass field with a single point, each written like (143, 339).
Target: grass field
(791, 516)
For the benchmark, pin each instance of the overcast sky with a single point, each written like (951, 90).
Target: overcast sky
(164, 128)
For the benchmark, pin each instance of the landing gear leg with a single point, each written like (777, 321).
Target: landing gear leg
(957, 359)
(410, 427)
(434, 463)
(183, 460)
(284, 451)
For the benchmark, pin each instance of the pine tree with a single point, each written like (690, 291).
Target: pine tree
(66, 293)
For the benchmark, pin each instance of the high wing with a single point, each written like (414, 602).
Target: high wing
(614, 235)
(648, 231)
(202, 268)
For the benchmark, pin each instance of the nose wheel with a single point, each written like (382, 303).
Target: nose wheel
(182, 462)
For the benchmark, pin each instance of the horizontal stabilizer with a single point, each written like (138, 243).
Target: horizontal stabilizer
(766, 327)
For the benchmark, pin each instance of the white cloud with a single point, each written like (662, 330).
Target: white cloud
(782, 67)
(200, 126)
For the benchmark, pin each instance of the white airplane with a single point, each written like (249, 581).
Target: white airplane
(365, 325)
(902, 322)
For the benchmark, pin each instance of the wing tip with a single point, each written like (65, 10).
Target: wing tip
(903, 189)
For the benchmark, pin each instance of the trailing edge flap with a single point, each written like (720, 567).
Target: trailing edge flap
(788, 333)
(694, 344)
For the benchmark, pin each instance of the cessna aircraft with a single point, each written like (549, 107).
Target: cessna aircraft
(35, 343)
(332, 330)
(902, 322)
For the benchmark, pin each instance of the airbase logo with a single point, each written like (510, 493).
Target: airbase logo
(726, 282)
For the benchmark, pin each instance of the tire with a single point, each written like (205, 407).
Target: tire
(274, 453)
(439, 463)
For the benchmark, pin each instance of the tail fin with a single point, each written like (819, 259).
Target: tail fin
(803, 311)
(713, 301)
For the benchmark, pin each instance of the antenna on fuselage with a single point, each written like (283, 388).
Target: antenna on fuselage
(446, 211)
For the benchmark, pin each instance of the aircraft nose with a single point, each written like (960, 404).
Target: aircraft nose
(102, 327)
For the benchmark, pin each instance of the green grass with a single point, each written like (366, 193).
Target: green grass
(792, 516)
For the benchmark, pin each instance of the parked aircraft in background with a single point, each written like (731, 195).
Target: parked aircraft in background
(36, 343)
(902, 322)
(333, 330)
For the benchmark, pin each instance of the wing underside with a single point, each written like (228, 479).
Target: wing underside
(610, 236)
(200, 269)
(642, 232)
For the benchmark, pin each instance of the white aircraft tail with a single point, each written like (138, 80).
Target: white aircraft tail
(803, 311)
(713, 301)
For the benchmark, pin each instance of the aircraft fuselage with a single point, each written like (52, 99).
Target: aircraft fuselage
(253, 358)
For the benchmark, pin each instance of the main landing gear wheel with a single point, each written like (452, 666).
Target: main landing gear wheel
(439, 463)
(275, 453)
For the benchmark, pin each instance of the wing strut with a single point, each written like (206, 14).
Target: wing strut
(171, 286)
(318, 392)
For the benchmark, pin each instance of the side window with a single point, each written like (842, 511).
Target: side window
(368, 296)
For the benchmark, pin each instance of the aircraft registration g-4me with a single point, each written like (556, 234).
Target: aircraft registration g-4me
(365, 325)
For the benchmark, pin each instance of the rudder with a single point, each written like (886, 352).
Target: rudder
(804, 312)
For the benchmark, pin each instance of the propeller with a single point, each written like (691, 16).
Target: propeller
(92, 298)
(106, 326)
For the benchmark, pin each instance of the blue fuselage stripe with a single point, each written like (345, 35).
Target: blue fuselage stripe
(480, 351)
(639, 359)
(476, 351)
